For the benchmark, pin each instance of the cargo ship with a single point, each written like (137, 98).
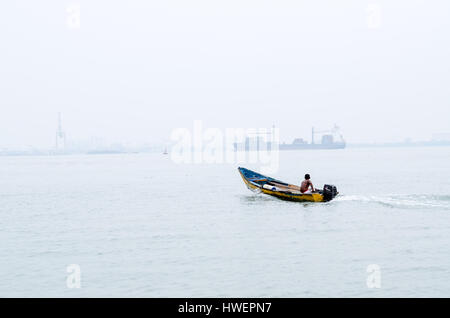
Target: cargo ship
(330, 139)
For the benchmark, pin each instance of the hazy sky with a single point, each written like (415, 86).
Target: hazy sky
(136, 70)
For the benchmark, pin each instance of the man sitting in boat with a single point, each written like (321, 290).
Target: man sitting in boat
(306, 184)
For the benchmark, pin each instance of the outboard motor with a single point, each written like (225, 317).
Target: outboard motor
(329, 192)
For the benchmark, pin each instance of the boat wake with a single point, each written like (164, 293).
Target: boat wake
(401, 201)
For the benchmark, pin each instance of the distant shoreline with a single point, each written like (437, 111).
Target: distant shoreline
(12, 153)
(400, 144)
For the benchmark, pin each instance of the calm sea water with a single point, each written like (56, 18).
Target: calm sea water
(141, 225)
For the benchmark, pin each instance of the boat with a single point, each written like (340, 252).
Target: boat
(281, 190)
(331, 139)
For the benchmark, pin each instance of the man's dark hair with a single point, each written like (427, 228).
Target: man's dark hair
(307, 176)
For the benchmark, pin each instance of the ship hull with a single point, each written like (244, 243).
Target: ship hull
(311, 146)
